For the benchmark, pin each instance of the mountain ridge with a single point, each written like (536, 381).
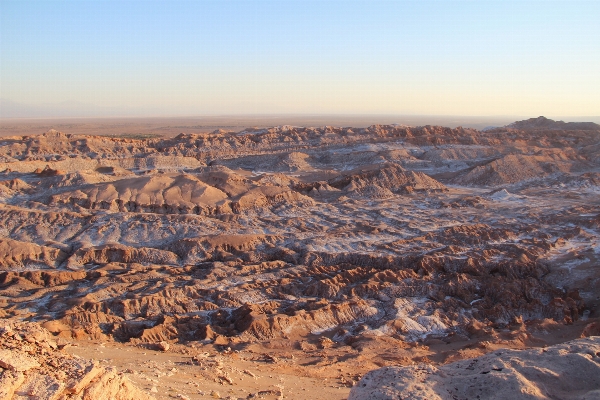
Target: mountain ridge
(542, 122)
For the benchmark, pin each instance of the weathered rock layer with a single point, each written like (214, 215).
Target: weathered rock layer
(567, 371)
(32, 366)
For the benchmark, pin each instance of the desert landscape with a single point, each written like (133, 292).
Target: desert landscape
(302, 263)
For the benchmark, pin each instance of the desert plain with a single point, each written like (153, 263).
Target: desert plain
(290, 261)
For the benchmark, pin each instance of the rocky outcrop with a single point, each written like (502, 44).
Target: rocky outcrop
(389, 176)
(224, 179)
(512, 169)
(566, 371)
(549, 124)
(15, 254)
(32, 366)
(266, 196)
(257, 323)
(119, 253)
(171, 193)
(220, 247)
(15, 184)
(287, 162)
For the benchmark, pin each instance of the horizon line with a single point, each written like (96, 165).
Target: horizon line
(357, 115)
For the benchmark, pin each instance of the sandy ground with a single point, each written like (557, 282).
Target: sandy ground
(200, 372)
(271, 371)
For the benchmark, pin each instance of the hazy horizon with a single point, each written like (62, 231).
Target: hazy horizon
(148, 58)
(72, 110)
(171, 126)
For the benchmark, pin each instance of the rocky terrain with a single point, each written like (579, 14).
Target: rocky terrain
(313, 253)
(565, 371)
(545, 123)
(35, 367)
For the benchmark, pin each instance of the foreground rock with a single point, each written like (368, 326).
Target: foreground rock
(32, 367)
(567, 371)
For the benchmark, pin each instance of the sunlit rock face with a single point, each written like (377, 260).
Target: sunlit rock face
(566, 371)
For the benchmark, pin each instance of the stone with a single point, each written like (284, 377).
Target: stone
(16, 361)
(566, 371)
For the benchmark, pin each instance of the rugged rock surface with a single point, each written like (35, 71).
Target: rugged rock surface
(173, 193)
(546, 123)
(389, 176)
(513, 169)
(566, 371)
(32, 366)
(386, 236)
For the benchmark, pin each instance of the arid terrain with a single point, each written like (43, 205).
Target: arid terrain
(288, 262)
(172, 126)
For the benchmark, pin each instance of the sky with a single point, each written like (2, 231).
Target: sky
(422, 57)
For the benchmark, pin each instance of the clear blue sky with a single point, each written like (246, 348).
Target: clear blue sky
(231, 57)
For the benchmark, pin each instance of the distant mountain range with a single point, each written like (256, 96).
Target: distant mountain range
(546, 123)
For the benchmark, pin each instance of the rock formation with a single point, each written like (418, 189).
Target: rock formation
(32, 366)
(566, 371)
(388, 236)
(546, 123)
